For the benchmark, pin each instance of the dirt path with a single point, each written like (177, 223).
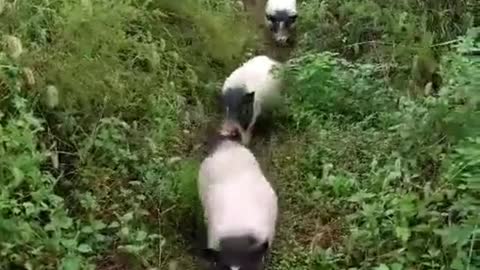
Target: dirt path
(264, 133)
(277, 150)
(301, 227)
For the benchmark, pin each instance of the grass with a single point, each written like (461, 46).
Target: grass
(106, 104)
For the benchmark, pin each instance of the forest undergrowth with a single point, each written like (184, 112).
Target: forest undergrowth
(105, 106)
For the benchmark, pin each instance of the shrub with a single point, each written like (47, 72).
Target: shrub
(90, 145)
(399, 178)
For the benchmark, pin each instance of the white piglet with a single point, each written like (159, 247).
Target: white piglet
(239, 205)
(250, 89)
(281, 16)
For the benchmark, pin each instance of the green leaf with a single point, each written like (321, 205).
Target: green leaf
(455, 235)
(125, 231)
(382, 267)
(396, 266)
(127, 217)
(87, 229)
(18, 176)
(84, 248)
(98, 225)
(141, 235)
(71, 263)
(114, 224)
(403, 233)
(457, 264)
(61, 220)
(29, 208)
(69, 243)
(28, 266)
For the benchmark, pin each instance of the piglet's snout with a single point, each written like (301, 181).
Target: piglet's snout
(281, 36)
(231, 128)
(281, 39)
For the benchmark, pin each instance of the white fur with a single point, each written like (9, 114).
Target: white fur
(275, 5)
(256, 76)
(236, 197)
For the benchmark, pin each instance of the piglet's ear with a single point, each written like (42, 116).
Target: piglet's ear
(210, 254)
(249, 98)
(260, 250)
(263, 247)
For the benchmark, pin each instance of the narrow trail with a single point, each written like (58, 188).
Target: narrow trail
(268, 132)
(265, 130)
(278, 151)
(301, 227)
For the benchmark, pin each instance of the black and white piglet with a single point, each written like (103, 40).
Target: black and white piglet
(250, 89)
(239, 205)
(280, 17)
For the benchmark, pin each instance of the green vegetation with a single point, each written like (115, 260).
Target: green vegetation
(105, 104)
(95, 111)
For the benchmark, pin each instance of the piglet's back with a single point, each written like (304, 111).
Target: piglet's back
(255, 75)
(228, 159)
(235, 194)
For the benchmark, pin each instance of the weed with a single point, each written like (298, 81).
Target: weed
(382, 163)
